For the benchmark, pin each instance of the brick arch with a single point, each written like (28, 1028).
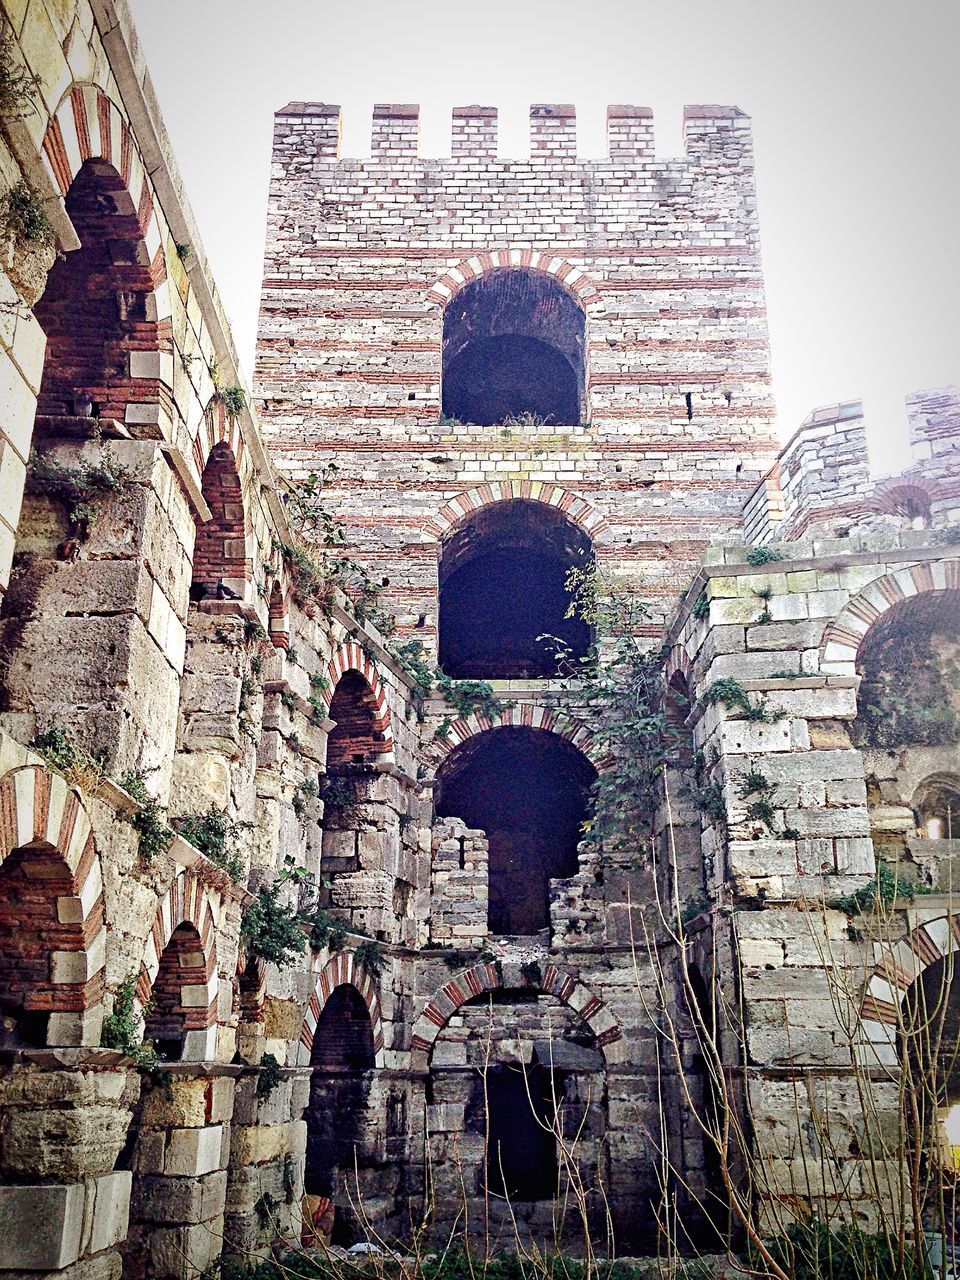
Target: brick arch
(524, 716)
(40, 811)
(576, 509)
(888, 494)
(567, 988)
(901, 965)
(350, 657)
(844, 636)
(89, 125)
(341, 969)
(573, 279)
(278, 610)
(225, 545)
(187, 901)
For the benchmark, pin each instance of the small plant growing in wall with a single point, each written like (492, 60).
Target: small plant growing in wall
(757, 790)
(532, 972)
(23, 216)
(121, 1027)
(732, 695)
(81, 768)
(762, 555)
(18, 86)
(216, 836)
(766, 595)
(701, 606)
(147, 820)
(306, 790)
(80, 487)
(269, 1075)
(234, 400)
(470, 697)
(327, 931)
(271, 929)
(369, 956)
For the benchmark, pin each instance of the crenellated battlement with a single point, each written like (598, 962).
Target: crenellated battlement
(707, 129)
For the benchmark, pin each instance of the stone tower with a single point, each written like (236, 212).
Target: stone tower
(583, 335)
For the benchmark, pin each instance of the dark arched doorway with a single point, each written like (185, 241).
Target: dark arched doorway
(341, 1127)
(503, 587)
(528, 790)
(513, 344)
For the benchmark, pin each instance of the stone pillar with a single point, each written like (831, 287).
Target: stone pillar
(180, 1171)
(64, 1116)
(93, 626)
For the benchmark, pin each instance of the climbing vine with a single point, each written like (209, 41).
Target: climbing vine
(628, 709)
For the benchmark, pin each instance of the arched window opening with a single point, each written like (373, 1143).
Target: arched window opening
(507, 1109)
(97, 310)
(527, 789)
(31, 882)
(503, 586)
(937, 808)
(341, 1127)
(929, 1046)
(910, 504)
(178, 1001)
(221, 568)
(907, 694)
(513, 344)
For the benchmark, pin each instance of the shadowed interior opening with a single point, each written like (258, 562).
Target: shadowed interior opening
(338, 1115)
(527, 789)
(503, 573)
(521, 1147)
(513, 344)
(182, 970)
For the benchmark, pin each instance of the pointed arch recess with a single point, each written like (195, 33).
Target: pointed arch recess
(38, 807)
(88, 125)
(573, 279)
(845, 634)
(341, 969)
(567, 988)
(350, 657)
(187, 901)
(577, 509)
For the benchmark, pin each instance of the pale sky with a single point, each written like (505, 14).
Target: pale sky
(856, 112)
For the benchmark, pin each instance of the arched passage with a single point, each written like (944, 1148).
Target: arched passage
(527, 790)
(513, 344)
(503, 587)
(179, 1001)
(342, 1125)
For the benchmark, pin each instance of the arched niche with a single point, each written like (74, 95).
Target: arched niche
(503, 588)
(222, 567)
(99, 311)
(513, 345)
(527, 789)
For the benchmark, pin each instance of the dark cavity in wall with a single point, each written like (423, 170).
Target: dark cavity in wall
(527, 789)
(503, 573)
(338, 1117)
(521, 1147)
(513, 344)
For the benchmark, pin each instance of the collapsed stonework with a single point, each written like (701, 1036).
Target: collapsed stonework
(469, 971)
